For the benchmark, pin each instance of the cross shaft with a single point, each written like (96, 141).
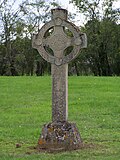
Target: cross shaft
(59, 93)
(58, 41)
(60, 133)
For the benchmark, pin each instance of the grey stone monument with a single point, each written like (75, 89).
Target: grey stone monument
(51, 43)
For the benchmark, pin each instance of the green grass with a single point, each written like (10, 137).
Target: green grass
(94, 105)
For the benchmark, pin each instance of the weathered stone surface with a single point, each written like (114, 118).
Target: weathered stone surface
(59, 136)
(58, 40)
(59, 12)
(59, 93)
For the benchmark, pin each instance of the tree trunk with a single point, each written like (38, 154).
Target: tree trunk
(77, 69)
(104, 63)
(39, 70)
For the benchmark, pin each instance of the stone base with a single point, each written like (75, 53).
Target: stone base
(59, 136)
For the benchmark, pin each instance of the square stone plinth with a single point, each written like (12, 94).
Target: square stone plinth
(59, 136)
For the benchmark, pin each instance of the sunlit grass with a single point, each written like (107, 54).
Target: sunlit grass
(94, 105)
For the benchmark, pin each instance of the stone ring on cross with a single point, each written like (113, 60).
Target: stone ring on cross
(58, 42)
(56, 36)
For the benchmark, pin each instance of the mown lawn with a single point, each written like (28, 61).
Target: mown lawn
(94, 105)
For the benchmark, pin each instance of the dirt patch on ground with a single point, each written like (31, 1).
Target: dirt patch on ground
(83, 146)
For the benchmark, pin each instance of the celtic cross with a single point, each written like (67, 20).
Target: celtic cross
(51, 43)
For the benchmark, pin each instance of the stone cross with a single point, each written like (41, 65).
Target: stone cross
(51, 43)
(58, 41)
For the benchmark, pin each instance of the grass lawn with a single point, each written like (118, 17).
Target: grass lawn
(94, 105)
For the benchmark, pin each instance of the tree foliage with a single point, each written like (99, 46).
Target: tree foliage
(17, 57)
(102, 29)
(18, 22)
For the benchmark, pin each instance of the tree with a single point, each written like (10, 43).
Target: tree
(8, 20)
(89, 8)
(101, 29)
(17, 57)
(35, 13)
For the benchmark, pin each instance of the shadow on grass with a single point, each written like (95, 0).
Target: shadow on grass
(83, 146)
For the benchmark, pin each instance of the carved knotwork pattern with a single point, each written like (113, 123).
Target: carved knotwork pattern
(58, 41)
